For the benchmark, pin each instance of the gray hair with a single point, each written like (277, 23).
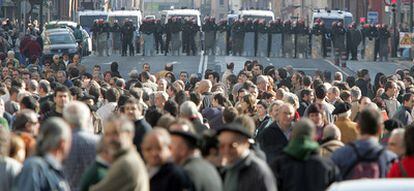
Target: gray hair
(331, 131)
(77, 114)
(122, 123)
(399, 133)
(45, 85)
(162, 134)
(356, 93)
(304, 128)
(133, 74)
(261, 78)
(33, 85)
(188, 109)
(52, 132)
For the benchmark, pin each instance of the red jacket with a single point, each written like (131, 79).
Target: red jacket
(408, 166)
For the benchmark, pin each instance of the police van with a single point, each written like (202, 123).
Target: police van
(330, 16)
(183, 13)
(134, 15)
(86, 18)
(257, 14)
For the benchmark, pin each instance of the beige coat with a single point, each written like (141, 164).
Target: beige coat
(329, 147)
(348, 129)
(127, 173)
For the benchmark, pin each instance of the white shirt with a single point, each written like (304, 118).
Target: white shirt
(106, 110)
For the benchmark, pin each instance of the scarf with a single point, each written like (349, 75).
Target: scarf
(301, 148)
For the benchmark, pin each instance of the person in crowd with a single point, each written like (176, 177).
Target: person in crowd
(127, 171)
(112, 96)
(133, 110)
(45, 170)
(349, 132)
(365, 158)
(301, 154)
(275, 137)
(317, 116)
(396, 142)
(331, 140)
(163, 173)
(405, 114)
(185, 152)
(390, 98)
(405, 167)
(9, 167)
(83, 148)
(61, 97)
(243, 169)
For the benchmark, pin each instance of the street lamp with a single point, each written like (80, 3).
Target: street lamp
(394, 25)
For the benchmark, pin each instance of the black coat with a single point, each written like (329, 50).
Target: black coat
(170, 178)
(272, 141)
(255, 174)
(313, 174)
(141, 128)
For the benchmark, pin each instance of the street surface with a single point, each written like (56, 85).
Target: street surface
(198, 64)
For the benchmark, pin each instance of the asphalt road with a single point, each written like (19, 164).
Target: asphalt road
(198, 64)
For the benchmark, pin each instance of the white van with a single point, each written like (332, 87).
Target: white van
(183, 13)
(86, 18)
(257, 14)
(122, 15)
(330, 16)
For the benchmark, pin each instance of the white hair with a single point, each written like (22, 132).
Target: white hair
(356, 93)
(261, 78)
(346, 114)
(331, 131)
(163, 94)
(188, 109)
(77, 114)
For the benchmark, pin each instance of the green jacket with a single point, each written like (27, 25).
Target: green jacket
(93, 175)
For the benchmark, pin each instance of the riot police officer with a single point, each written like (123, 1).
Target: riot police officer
(384, 36)
(159, 43)
(353, 39)
(222, 37)
(127, 38)
(209, 28)
(116, 37)
(301, 39)
(237, 37)
(275, 36)
(147, 30)
(249, 38)
(106, 30)
(262, 38)
(288, 39)
(338, 39)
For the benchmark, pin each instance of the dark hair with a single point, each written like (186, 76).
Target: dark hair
(305, 92)
(351, 81)
(320, 92)
(76, 91)
(222, 100)
(195, 97)
(282, 73)
(388, 85)
(61, 88)
(263, 103)
(180, 97)
(112, 95)
(315, 108)
(409, 140)
(392, 124)
(307, 80)
(17, 82)
(114, 66)
(345, 95)
(230, 66)
(169, 67)
(229, 114)
(30, 103)
(152, 116)
(209, 142)
(406, 97)
(171, 107)
(370, 122)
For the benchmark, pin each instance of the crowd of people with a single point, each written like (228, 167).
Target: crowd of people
(65, 128)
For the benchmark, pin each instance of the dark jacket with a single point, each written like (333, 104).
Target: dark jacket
(141, 128)
(253, 174)
(208, 180)
(169, 177)
(404, 115)
(312, 174)
(272, 141)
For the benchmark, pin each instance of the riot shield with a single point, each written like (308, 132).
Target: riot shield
(317, 46)
(288, 45)
(276, 45)
(221, 43)
(248, 45)
(262, 43)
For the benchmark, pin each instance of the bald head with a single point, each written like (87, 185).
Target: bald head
(332, 132)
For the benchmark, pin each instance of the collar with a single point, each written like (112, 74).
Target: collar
(240, 162)
(53, 162)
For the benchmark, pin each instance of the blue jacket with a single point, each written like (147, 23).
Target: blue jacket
(41, 173)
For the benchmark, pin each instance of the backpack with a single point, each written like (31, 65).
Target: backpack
(364, 167)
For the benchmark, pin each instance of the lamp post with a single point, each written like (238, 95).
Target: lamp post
(394, 25)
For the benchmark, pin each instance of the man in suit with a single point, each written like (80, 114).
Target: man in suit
(276, 136)
(128, 171)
